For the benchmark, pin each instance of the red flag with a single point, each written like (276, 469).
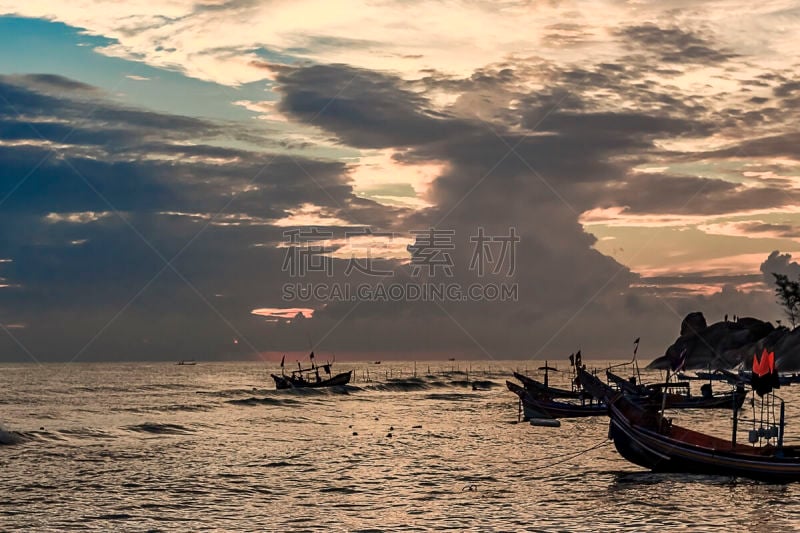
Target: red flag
(765, 365)
(765, 378)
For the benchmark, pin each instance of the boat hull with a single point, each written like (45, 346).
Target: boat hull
(534, 407)
(285, 382)
(653, 398)
(644, 438)
(679, 401)
(660, 453)
(540, 388)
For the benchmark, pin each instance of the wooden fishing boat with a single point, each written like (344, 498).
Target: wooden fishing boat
(646, 438)
(303, 378)
(528, 411)
(653, 395)
(538, 387)
(538, 406)
(298, 381)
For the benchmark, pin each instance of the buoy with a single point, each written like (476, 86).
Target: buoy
(545, 422)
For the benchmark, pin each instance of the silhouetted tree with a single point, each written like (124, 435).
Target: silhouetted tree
(788, 293)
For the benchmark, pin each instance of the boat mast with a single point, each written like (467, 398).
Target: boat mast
(735, 421)
(663, 399)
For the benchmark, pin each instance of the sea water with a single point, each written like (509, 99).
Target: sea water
(214, 447)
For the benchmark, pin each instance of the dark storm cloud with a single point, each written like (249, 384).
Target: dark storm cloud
(111, 147)
(643, 193)
(674, 45)
(566, 34)
(623, 126)
(55, 83)
(80, 116)
(575, 142)
(79, 257)
(780, 145)
(699, 278)
(488, 186)
(788, 231)
(787, 88)
(779, 263)
(574, 148)
(363, 108)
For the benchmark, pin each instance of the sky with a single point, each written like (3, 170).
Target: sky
(238, 179)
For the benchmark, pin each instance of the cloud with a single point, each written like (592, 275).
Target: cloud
(499, 131)
(779, 263)
(771, 146)
(673, 45)
(90, 225)
(363, 108)
(756, 229)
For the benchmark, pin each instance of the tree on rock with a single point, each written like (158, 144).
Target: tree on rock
(788, 293)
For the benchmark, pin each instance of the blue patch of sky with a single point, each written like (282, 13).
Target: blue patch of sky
(44, 47)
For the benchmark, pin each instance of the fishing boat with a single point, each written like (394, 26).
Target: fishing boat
(538, 387)
(527, 410)
(643, 436)
(538, 406)
(658, 393)
(186, 362)
(310, 377)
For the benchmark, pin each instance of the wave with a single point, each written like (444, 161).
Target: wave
(399, 385)
(86, 432)
(10, 438)
(451, 396)
(264, 401)
(163, 429)
(166, 408)
(276, 464)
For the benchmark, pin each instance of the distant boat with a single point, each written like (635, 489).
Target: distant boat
(303, 378)
(377, 362)
(297, 381)
(186, 362)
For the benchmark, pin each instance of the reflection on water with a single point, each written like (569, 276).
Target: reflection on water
(163, 447)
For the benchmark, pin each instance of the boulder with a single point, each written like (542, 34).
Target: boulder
(720, 345)
(693, 323)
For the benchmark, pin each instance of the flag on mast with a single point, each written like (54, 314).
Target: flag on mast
(283, 360)
(636, 346)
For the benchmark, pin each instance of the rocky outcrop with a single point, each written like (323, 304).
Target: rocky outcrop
(693, 323)
(726, 344)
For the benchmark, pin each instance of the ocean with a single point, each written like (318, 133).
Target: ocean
(214, 447)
